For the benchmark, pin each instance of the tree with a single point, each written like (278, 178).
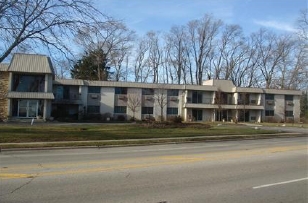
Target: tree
(161, 99)
(154, 59)
(302, 24)
(141, 71)
(219, 101)
(304, 105)
(176, 50)
(90, 68)
(37, 24)
(201, 34)
(133, 103)
(112, 38)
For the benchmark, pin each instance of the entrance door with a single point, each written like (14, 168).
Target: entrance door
(197, 114)
(27, 108)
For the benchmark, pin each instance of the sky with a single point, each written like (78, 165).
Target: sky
(160, 15)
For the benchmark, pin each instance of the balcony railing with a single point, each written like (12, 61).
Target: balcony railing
(67, 98)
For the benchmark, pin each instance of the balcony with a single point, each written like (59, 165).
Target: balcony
(72, 98)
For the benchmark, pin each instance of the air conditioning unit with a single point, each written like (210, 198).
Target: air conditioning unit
(122, 97)
(270, 102)
(94, 96)
(175, 99)
(148, 98)
(290, 103)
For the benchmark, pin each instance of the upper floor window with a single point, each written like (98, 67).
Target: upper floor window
(288, 97)
(196, 97)
(121, 90)
(28, 83)
(94, 89)
(173, 92)
(147, 91)
(269, 96)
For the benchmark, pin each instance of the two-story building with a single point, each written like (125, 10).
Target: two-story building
(29, 90)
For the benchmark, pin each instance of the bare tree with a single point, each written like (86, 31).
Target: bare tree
(201, 34)
(161, 99)
(219, 101)
(302, 24)
(141, 72)
(37, 24)
(270, 52)
(133, 103)
(111, 37)
(176, 49)
(154, 59)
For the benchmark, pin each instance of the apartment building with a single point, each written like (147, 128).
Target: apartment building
(29, 90)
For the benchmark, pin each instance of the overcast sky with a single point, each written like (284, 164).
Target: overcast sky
(160, 15)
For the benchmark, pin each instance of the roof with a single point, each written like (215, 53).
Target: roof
(4, 66)
(31, 63)
(68, 82)
(30, 95)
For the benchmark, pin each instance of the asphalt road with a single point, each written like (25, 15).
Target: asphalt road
(268, 170)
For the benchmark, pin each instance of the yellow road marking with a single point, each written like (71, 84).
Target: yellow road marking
(15, 175)
(132, 163)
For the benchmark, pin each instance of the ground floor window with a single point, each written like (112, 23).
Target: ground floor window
(197, 114)
(93, 109)
(147, 110)
(172, 111)
(27, 108)
(120, 109)
(289, 113)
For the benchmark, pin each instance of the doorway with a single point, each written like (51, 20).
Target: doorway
(27, 108)
(197, 114)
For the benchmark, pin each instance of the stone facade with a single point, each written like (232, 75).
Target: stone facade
(4, 86)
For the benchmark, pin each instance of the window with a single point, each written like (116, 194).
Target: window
(173, 92)
(94, 89)
(269, 96)
(197, 97)
(288, 97)
(172, 111)
(289, 113)
(120, 90)
(269, 112)
(120, 109)
(147, 110)
(93, 109)
(28, 83)
(147, 91)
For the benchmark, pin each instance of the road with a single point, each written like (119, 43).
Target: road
(268, 170)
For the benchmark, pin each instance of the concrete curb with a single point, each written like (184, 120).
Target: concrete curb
(136, 142)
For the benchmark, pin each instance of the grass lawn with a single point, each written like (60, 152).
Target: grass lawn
(14, 133)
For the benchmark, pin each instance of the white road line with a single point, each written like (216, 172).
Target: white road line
(281, 183)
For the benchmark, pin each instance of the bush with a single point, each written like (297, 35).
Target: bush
(106, 116)
(175, 119)
(121, 118)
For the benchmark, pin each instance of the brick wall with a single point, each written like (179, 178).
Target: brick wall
(4, 85)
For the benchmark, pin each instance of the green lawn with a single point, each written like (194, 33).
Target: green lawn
(46, 133)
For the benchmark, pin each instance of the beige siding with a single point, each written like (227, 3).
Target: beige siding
(31, 63)
(107, 100)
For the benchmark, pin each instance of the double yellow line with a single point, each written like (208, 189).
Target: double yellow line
(85, 167)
